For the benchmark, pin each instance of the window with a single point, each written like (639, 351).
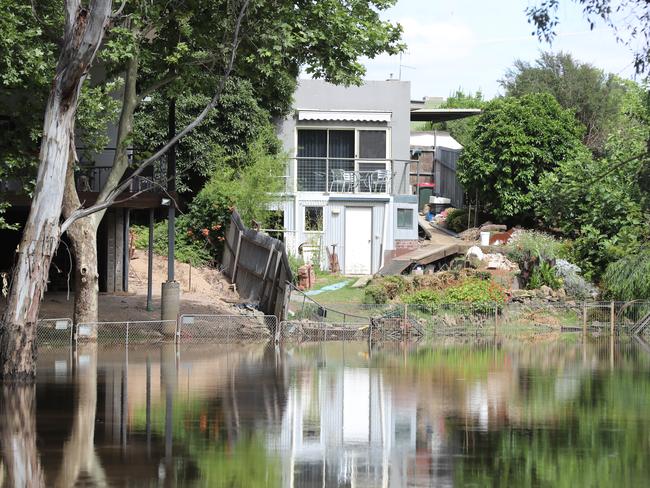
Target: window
(372, 144)
(313, 219)
(404, 218)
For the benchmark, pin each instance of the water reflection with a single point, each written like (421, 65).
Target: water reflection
(332, 414)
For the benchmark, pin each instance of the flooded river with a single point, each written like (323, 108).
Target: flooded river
(561, 413)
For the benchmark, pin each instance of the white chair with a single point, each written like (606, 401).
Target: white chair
(379, 180)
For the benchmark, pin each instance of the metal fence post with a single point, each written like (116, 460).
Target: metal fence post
(612, 318)
(127, 333)
(584, 318)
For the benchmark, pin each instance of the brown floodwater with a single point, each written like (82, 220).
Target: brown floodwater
(337, 414)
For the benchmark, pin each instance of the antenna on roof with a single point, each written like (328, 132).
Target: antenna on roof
(402, 66)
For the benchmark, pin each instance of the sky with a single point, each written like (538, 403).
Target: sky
(469, 44)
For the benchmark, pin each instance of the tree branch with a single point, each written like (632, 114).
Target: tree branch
(112, 196)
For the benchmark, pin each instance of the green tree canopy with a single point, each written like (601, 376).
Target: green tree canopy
(461, 130)
(594, 95)
(514, 142)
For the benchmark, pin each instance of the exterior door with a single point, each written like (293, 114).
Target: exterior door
(358, 240)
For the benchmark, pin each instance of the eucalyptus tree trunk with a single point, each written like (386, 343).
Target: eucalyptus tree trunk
(83, 233)
(84, 31)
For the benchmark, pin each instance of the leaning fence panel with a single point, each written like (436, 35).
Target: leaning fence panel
(54, 332)
(227, 328)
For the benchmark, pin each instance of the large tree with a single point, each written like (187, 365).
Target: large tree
(83, 34)
(514, 142)
(594, 95)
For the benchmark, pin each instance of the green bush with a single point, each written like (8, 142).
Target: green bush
(457, 220)
(473, 290)
(544, 275)
(525, 244)
(375, 293)
(629, 277)
(186, 250)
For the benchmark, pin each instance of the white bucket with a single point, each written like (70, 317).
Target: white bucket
(485, 238)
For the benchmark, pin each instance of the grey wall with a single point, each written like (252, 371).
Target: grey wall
(380, 96)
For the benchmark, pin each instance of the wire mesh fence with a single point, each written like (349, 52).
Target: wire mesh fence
(228, 328)
(128, 332)
(309, 320)
(54, 332)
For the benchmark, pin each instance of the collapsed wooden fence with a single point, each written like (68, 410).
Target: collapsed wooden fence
(258, 266)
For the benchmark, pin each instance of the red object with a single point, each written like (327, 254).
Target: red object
(306, 277)
(426, 185)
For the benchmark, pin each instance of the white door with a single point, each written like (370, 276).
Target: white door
(358, 240)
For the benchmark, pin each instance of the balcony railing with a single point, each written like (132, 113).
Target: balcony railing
(93, 179)
(339, 175)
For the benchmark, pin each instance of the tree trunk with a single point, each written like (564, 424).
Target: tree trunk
(83, 239)
(83, 232)
(18, 436)
(84, 31)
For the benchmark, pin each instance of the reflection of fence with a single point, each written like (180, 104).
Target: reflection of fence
(258, 265)
(54, 332)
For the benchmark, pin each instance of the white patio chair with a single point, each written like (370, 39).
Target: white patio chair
(379, 180)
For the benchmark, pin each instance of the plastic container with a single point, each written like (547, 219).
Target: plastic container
(485, 238)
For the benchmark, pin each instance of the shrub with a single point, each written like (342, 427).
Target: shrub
(629, 277)
(574, 284)
(526, 243)
(375, 293)
(473, 290)
(457, 220)
(544, 275)
(186, 250)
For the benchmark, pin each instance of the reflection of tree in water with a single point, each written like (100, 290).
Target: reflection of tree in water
(20, 457)
(223, 434)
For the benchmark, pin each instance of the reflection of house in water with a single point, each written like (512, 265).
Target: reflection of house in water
(345, 427)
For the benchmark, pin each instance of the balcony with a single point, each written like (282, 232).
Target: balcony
(93, 178)
(338, 175)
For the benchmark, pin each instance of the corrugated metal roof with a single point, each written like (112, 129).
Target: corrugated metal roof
(344, 115)
(437, 139)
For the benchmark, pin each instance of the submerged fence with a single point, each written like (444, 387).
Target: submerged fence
(308, 320)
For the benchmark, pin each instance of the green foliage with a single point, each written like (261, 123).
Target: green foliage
(375, 293)
(471, 291)
(526, 243)
(250, 189)
(629, 277)
(515, 142)
(186, 250)
(295, 262)
(457, 220)
(592, 94)
(384, 289)
(599, 203)
(544, 275)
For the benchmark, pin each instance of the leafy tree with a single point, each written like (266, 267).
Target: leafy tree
(513, 144)
(629, 277)
(598, 203)
(594, 95)
(249, 187)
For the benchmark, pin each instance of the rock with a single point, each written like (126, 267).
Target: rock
(561, 293)
(545, 291)
(475, 252)
(493, 228)
(499, 261)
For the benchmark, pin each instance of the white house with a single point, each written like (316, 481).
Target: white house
(348, 177)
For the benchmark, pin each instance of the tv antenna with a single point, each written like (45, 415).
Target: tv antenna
(399, 77)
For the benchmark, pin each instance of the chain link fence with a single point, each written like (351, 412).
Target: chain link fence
(311, 321)
(54, 332)
(227, 328)
(128, 332)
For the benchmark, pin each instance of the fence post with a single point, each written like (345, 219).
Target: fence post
(127, 333)
(584, 318)
(406, 319)
(612, 318)
(234, 268)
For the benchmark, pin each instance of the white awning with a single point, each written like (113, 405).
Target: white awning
(421, 140)
(344, 115)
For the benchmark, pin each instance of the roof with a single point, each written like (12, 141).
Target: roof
(344, 115)
(432, 139)
(441, 114)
